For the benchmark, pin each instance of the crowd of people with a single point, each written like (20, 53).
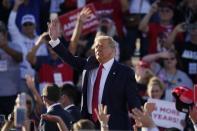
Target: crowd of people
(90, 81)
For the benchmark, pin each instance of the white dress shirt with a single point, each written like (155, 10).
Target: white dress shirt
(51, 106)
(92, 77)
(67, 107)
(195, 127)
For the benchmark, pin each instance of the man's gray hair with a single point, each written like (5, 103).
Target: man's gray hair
(111, 41)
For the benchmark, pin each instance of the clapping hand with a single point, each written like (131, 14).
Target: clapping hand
(102, 115)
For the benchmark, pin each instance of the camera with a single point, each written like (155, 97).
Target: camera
(20, 112)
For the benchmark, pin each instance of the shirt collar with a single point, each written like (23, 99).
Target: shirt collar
(67, 107)
(51, 106)
(108, 64)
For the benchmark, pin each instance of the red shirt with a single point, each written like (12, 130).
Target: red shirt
(47, 68)
(157, 36)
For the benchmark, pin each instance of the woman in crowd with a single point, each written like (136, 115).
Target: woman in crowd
(155, 88)
(168, 73)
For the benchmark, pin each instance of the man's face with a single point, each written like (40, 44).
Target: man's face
(103, 50)
(28, 28)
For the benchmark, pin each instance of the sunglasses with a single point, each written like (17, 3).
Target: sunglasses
(28, 24)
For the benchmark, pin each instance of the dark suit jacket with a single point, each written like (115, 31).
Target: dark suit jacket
(75, 112)
(120, 91)
(51, 126)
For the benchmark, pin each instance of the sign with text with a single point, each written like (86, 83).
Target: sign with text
(68, 22)
(165, 115)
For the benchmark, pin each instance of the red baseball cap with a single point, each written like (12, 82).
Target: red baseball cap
(184, 98)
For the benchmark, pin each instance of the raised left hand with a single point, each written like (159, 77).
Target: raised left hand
(102, 115)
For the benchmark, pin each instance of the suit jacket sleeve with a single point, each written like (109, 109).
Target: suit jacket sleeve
(131, 90)
(74, 61)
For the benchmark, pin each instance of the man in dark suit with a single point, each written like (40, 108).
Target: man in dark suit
(51, 96)
(105, 81)
(68, 96)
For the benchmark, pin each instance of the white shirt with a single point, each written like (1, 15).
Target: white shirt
(195, 127)
(92, 77)
(26, 45)
(67, 107)
(51, 106)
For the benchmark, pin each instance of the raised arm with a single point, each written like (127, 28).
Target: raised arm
(76, 62)
(153, 57)
(12, 27)
(31, 85)
(16, 55)
(82, 17)
(143, 26)
(171, 38)
(31, 56)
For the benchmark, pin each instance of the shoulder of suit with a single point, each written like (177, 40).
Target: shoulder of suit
(125, 67)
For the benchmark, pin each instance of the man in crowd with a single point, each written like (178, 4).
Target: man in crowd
(10, 57)
(68, 96)
(51, 96)
(25, 38)
(105, 80)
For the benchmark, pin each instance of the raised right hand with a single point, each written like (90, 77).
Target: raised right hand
(84, 14)
(53, 28)
(154, 7)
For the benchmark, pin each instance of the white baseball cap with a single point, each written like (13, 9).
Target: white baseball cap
(28, 18)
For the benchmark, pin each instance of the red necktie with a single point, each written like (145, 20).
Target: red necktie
(96, 92)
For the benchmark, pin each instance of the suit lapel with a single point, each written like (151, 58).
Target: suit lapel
(109, 81)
